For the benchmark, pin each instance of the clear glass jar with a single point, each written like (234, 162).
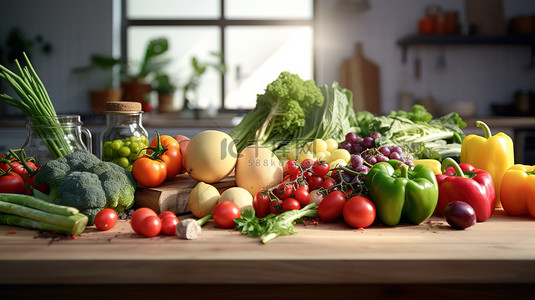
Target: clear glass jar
(124, 138)
(53, 137)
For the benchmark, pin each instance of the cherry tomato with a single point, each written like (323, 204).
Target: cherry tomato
(315, 182)
(261, 204)
(328, 183)
(307, 164)
(106, 219)
(301, 194)
(149, 172)
(43, 187)
(12, 183)
(332, 206)
(167, 141)
(18, 167)
(225, 213)
(173, 162)
(275, 207)
(284, 191)
(169, 224)
(307, 175)
(292, 167)
(316, 197)
(359, 212)
(151, 226)
(165, 214)
(290, 204)
(138, 216)
(320, 168)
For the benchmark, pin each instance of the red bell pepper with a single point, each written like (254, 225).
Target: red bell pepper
(466, 183)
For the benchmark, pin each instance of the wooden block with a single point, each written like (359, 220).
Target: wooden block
(173, 194)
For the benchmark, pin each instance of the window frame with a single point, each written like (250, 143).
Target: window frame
(221, 23)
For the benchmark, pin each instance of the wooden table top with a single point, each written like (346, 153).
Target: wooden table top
(500, 250)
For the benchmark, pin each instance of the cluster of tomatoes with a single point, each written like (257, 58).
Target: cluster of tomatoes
(163, 160)
(17, 174)
(146, 222)
(314, 181)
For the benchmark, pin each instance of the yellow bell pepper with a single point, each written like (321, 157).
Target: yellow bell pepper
(494, 154)
(517, 190)
(431, 163)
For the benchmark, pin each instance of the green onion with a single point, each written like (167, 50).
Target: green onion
(35, 103)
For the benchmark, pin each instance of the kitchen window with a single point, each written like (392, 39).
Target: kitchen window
(258, 39)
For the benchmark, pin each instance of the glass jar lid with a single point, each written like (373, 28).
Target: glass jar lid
(123, 107)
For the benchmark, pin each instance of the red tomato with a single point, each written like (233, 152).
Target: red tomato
(359, 212)
(11, 183)
(169, 222)
(307, 164)
(43, 187)
(320, 168)
(316, 197)
(328, 183)
(138, 216)
(315, 182)
(18, 167)
(173, 162)
(261, 204)
(332, 206)
(167, 141)
(301, 194)
(169, 225)
(151, 226)
(292, 167)
(149, 172)
(106, 219)
(275, 207)
(225, 213)
(284, 191)
(290, 204)
(165, 214)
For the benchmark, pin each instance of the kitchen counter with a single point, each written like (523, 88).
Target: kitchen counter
(406, 260)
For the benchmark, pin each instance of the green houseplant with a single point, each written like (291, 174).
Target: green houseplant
(191, 86)
(137, 85)
(165, 88)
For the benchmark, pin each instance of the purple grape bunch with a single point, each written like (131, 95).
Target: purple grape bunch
(365, 153)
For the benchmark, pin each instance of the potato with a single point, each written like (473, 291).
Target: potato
(257, 169)
(210, 156)
(202, 199)
(241, 197)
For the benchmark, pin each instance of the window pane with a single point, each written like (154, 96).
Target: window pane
(173, 9)
(269, 9)
(184, 43)
(256, 55)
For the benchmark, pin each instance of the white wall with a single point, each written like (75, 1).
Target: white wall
(484, 74)
(78, 29)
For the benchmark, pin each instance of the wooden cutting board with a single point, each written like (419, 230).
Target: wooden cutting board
(173, 194)
(362, 77)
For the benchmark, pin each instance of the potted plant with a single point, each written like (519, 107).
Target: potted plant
(166, 90)
(191, 86)
(101, 66)
(137, 86)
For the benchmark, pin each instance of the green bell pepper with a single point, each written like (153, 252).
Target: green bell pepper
(402, 192)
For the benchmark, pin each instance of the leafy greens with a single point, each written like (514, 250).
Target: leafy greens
(272, 225)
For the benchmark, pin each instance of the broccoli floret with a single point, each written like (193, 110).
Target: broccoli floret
(279, 112)
(83, 181)
(118, 185)
(82, 190)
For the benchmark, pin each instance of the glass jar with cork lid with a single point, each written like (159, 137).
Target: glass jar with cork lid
(124, 138)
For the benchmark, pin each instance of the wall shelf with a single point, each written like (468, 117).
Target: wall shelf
(414, 40)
